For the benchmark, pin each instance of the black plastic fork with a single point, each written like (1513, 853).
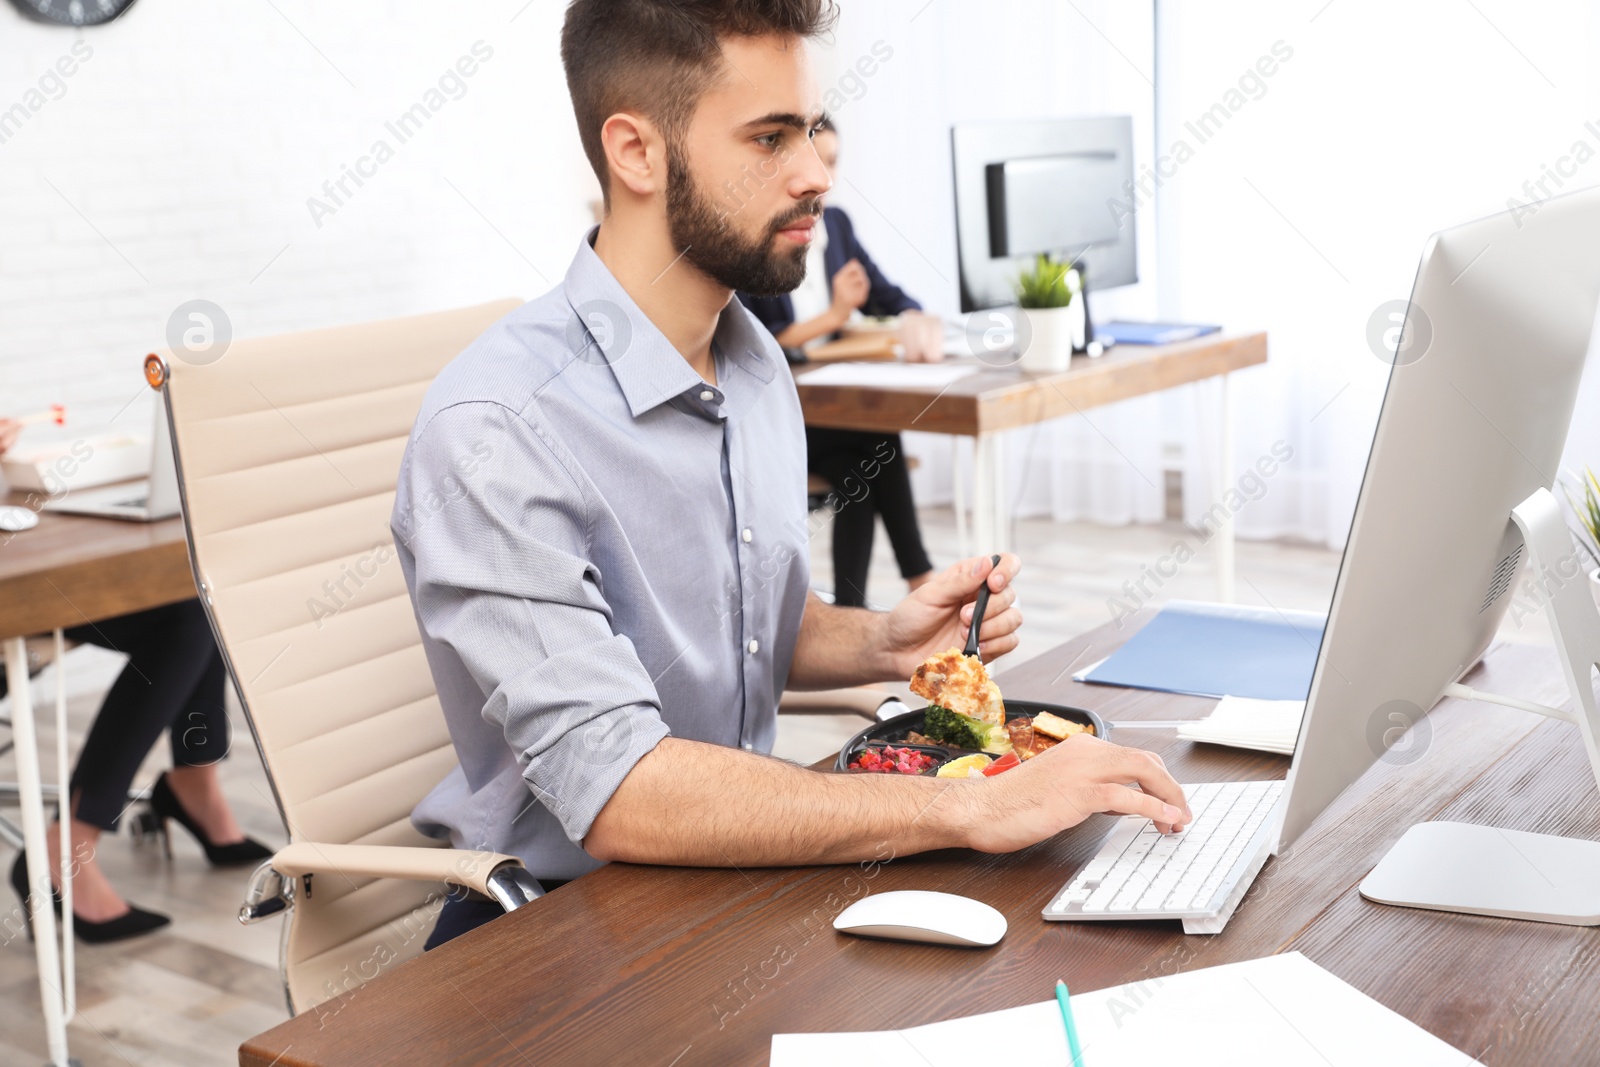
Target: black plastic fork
(977, 612)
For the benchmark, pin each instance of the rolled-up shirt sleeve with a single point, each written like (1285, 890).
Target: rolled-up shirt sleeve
(495, 542)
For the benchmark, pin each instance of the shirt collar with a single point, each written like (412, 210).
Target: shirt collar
(607, 326)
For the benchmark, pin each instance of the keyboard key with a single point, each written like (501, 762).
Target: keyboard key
(1097, 869)
(1100, 899)
(1156, 895)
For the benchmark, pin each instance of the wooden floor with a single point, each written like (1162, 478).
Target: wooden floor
(191, 993)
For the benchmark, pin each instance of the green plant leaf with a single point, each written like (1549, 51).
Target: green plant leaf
(1588, 513)
(1046, 284)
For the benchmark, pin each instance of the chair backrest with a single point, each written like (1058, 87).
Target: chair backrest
(288, 452)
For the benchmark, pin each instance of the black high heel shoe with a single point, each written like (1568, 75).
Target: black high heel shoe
(137, 921)
(236, 854)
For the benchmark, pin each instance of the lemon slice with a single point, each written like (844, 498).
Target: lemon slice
(965, 766)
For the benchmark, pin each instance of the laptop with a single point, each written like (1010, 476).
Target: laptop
(143, 500)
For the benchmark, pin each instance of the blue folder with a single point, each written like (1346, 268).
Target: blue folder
(1218, 650)
(1151, 333)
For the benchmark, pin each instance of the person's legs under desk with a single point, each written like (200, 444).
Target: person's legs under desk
(200, 739)
(870, 477)
(837, 455)
(170, 650)
(898, 509)
(171, 655)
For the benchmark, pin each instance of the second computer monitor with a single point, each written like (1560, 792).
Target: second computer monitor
(1058, 186)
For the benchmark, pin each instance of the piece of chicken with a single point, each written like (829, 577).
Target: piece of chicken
(1024, 741)
(960, 683)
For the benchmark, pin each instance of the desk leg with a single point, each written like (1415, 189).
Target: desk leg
(33, 830)
(1219, 489)
(958, 494)
(69, 975)
(990, 517)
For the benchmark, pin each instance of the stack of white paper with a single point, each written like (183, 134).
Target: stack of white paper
(1282, 1011)
(1241, 722)
(890, 375)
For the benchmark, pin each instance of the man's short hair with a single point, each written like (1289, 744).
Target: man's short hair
(657, 56)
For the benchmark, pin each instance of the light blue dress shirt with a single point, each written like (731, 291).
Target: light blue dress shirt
(601, 550)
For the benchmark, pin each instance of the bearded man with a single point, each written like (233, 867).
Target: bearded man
(601, 512)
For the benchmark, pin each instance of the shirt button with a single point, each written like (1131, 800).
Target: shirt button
(748, 747)
(706, 394)
(754, 646)
(746, 535)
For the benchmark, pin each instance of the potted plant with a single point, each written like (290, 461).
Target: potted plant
(1047, 293)
(1587, 509)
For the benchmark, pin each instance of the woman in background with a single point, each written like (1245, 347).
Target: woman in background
(174, 681)
(868, 471)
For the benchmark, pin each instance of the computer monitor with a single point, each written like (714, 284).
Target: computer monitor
(1060, 186)
(1456, 499)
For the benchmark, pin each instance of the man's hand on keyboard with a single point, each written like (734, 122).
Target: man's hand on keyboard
(1067, 783)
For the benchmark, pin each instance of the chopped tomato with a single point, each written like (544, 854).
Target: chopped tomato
(891, 760)
(1004, 763)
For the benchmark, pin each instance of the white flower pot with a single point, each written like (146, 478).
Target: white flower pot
(1052, 333)
(1594, 585)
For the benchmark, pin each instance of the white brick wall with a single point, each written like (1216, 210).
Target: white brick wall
(192, 136)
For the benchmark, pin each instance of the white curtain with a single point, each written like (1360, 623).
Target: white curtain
(954, 62)
(1307, 208)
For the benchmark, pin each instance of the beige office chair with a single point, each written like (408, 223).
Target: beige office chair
(288, 451)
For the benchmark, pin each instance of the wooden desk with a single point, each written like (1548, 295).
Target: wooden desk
(66, 571)
(861, 348)
(681, 967)
(982, 405)
(72, 569)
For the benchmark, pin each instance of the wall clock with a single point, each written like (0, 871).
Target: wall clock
(72, 12)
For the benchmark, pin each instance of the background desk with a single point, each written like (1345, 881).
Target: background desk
(981, 405)
(679, 967)
(71, 569)
(67, 571)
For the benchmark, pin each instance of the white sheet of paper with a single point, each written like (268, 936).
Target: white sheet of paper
(890, 375)
(1280, 1011)
(1242, 722)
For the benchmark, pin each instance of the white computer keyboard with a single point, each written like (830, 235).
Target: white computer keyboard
(1199, 875)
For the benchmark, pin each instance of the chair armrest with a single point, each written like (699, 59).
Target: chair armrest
(866, 701)
(497, 876)
(456, 866)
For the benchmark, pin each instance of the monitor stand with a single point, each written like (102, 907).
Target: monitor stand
(1091, 346)
(1484, 870)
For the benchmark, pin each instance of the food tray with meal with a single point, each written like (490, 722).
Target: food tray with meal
(967, 729)
(908, 731)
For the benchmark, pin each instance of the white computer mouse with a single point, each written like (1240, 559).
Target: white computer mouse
(15, 520)
(917, 915)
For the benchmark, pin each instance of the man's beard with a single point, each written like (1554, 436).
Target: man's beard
(713, 244)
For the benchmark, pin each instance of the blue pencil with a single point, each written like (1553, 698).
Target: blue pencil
(1064, 1001)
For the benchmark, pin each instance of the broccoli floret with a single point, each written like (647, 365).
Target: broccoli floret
(952, 728)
